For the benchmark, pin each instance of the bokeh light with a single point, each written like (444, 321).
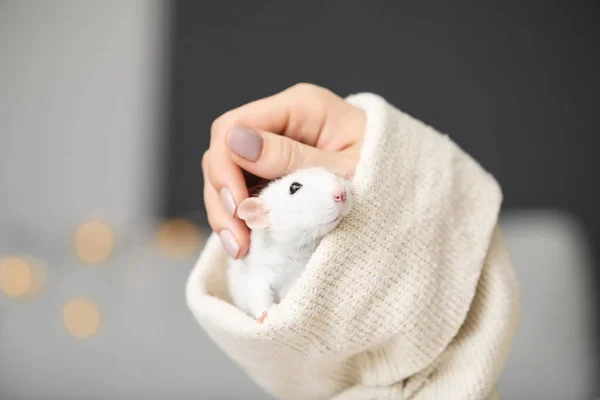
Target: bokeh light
(94, 242)
(179, 238)
(21, 277)
(16, 277)
(81, 317)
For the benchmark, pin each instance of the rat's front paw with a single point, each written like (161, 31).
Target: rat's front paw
(261, 319)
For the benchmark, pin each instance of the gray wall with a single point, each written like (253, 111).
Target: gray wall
(79, 89)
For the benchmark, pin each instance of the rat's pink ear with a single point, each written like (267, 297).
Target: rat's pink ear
(252, 211)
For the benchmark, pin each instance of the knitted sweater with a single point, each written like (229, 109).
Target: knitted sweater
(413, 296)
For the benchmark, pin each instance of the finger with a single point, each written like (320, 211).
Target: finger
(271, 156)
(307, 113)
(298, 112)
(233, 233)
(225, 177)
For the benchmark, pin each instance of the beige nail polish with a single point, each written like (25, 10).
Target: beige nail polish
(229, 243)
(228, 201)
(245, 142)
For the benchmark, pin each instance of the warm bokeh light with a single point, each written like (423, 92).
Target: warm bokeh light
(21, 276)
(81, 317)
(16, 277)
(179, 238)
(94, 242)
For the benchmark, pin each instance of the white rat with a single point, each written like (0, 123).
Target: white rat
(288, 219)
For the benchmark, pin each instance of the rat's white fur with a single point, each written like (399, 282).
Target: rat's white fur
(296, 224)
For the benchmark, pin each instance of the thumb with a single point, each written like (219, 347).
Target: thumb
(270, 156)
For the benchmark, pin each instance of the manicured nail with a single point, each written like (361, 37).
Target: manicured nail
(229, 243)
(228, 201)
(245, 142)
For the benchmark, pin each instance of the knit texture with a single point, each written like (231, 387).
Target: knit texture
(413, 296)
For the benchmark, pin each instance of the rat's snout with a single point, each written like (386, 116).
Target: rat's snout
(339, 195)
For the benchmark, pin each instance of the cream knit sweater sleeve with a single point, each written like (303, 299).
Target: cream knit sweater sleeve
(413, 296)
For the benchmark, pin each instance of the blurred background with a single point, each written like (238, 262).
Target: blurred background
(105, 111)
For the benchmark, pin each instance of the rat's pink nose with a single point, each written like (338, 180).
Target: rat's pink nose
(339, 195)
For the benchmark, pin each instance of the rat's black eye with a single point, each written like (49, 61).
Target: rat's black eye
(294, 187)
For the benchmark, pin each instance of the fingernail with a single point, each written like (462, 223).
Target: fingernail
(229, 243)
(228, 201)
(245, 142)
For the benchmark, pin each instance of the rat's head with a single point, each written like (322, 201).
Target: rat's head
(300, 207)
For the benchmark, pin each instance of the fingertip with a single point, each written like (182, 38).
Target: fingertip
(242, 235)
(229, 182)
(244, 142)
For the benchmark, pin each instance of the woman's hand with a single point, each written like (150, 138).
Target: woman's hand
(303, 126)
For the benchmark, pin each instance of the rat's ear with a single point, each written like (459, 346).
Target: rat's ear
(252, 211)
